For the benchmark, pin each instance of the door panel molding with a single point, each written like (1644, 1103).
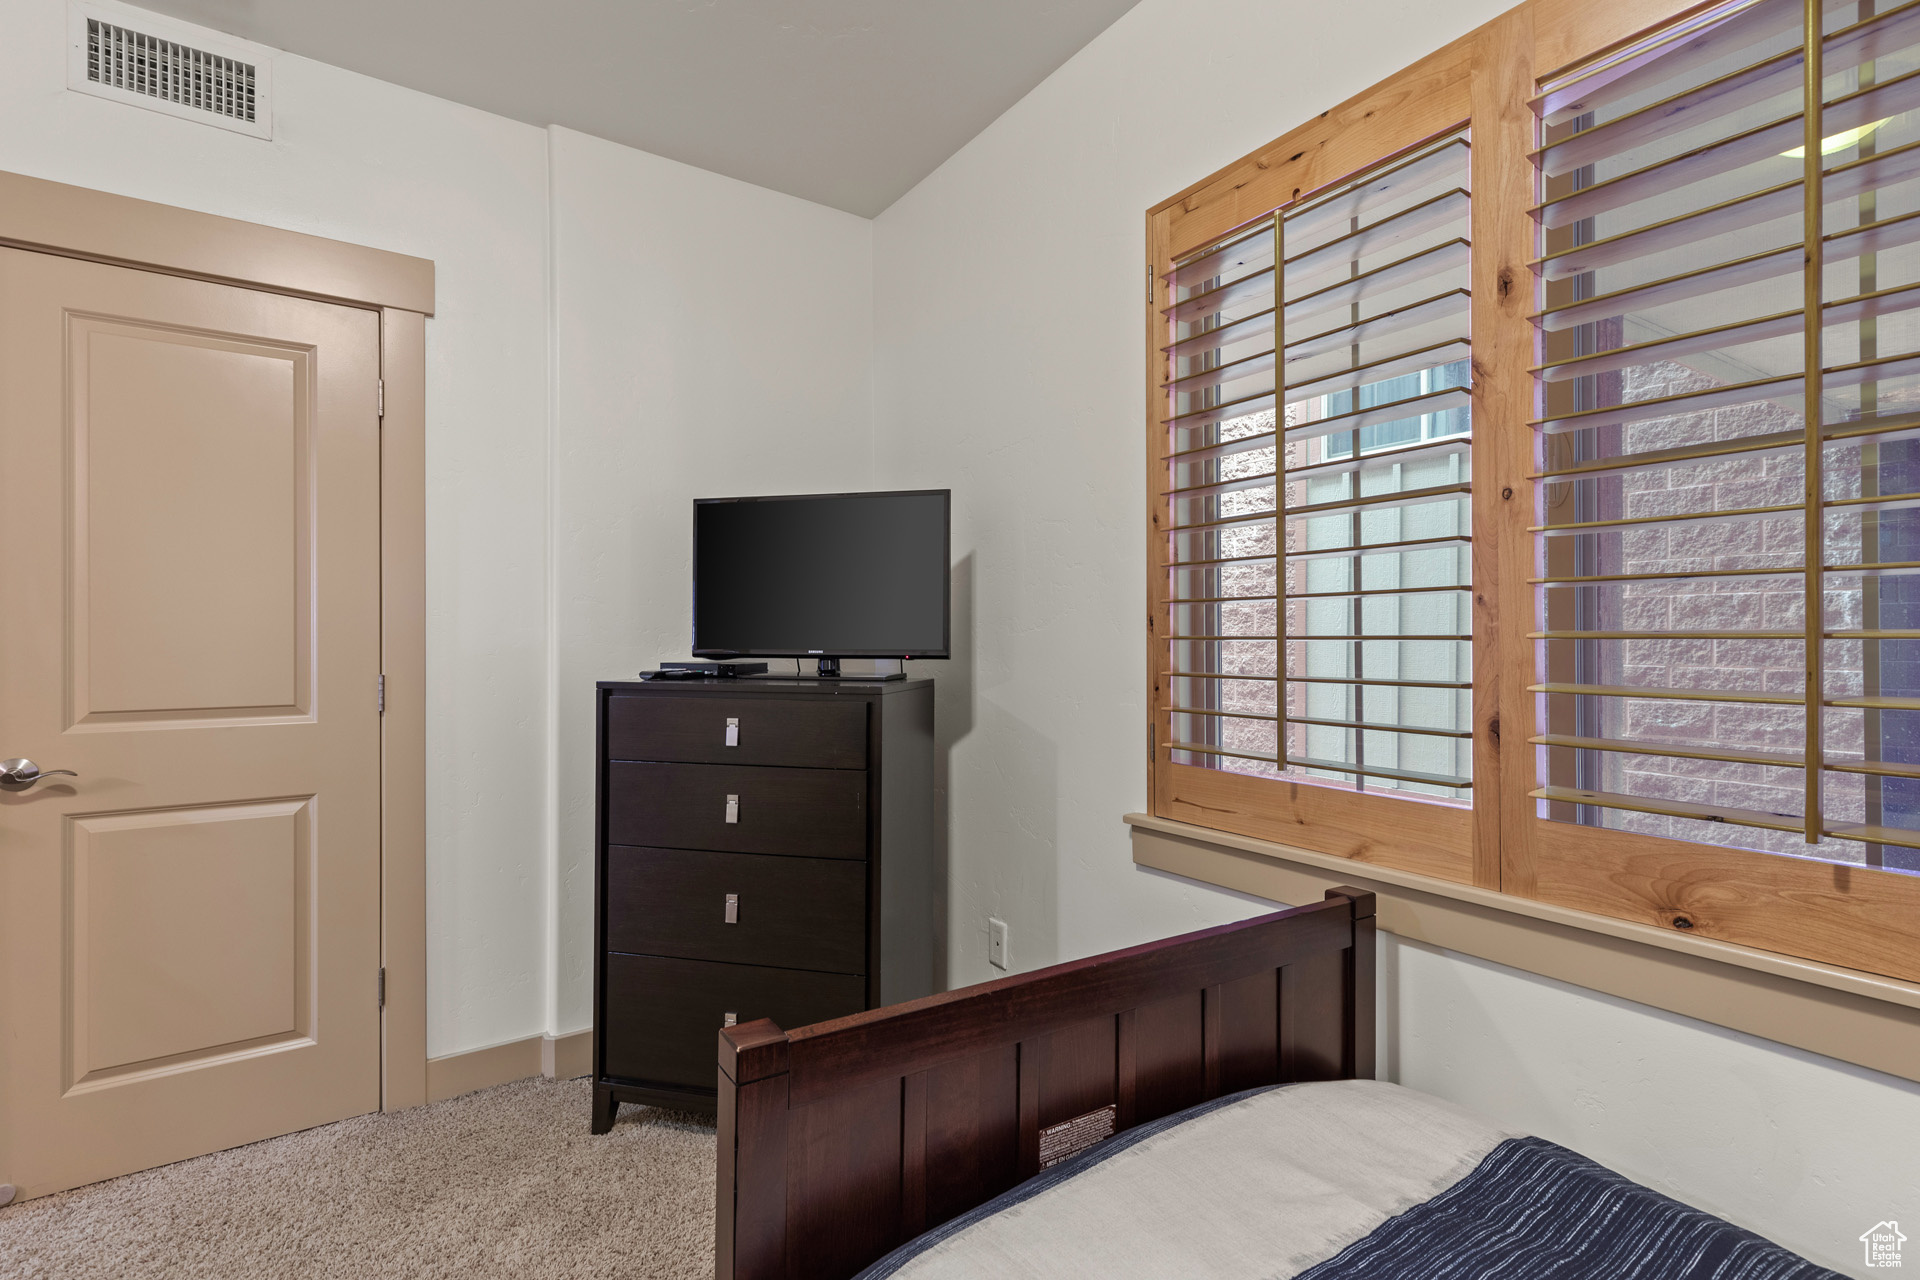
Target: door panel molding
(153, 646)
(251, 952)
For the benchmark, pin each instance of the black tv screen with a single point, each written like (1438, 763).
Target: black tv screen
(849, 575)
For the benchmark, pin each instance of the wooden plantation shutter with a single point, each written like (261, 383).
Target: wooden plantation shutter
(1317, 478)
(1731, 409)
(1337, 650)
(1727, 401)
(1676, 507)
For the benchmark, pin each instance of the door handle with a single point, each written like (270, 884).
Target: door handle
(733, 809)
(22, 772)
(733, 732)
(730, 1019)
(733, 908)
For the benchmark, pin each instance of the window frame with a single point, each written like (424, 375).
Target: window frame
(1843, 914)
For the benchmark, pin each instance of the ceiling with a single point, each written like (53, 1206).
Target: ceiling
(844, 102)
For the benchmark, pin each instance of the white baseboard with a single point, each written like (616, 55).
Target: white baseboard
(561, 1057)
(567, 1057)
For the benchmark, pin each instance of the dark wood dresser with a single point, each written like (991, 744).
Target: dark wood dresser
(764, 850)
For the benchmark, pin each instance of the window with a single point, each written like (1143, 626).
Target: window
(1494, 544)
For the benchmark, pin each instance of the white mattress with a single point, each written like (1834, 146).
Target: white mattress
(1266, 1186)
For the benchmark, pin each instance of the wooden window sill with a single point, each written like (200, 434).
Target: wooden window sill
(1861, 1018)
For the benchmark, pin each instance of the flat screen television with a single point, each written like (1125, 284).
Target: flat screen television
(825, 575)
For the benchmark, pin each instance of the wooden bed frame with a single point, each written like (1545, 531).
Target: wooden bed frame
(842, 1140)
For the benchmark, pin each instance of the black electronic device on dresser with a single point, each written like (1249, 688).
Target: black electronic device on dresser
(764, 850)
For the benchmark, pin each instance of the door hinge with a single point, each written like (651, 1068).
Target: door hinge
(381, 694)
(380, 397)
(1150, 743)
(383, 987)
(1149, 284)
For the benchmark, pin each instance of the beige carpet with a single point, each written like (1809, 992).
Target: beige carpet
(502, 1183)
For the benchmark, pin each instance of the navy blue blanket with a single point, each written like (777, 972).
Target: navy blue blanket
(1536, 1211)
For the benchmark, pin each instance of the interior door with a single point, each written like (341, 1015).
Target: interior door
(189, 622)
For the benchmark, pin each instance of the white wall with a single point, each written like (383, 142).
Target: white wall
(1008, 365)
(711, 338)
(360, 160)
(1802, 1149)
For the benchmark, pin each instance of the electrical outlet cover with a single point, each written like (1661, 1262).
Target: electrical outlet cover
(996, 943)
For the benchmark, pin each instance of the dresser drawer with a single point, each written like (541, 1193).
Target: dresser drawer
(820, 813)
(663, 1017)
(807, 733)
(798, 913)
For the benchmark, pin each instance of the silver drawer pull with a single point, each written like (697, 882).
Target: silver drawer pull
(733, 908)
(730, 1019)
(733, 809)
(733, 732)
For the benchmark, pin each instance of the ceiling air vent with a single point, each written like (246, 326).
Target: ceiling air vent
(147, 61)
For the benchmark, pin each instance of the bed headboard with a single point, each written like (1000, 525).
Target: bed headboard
(841, 1140)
